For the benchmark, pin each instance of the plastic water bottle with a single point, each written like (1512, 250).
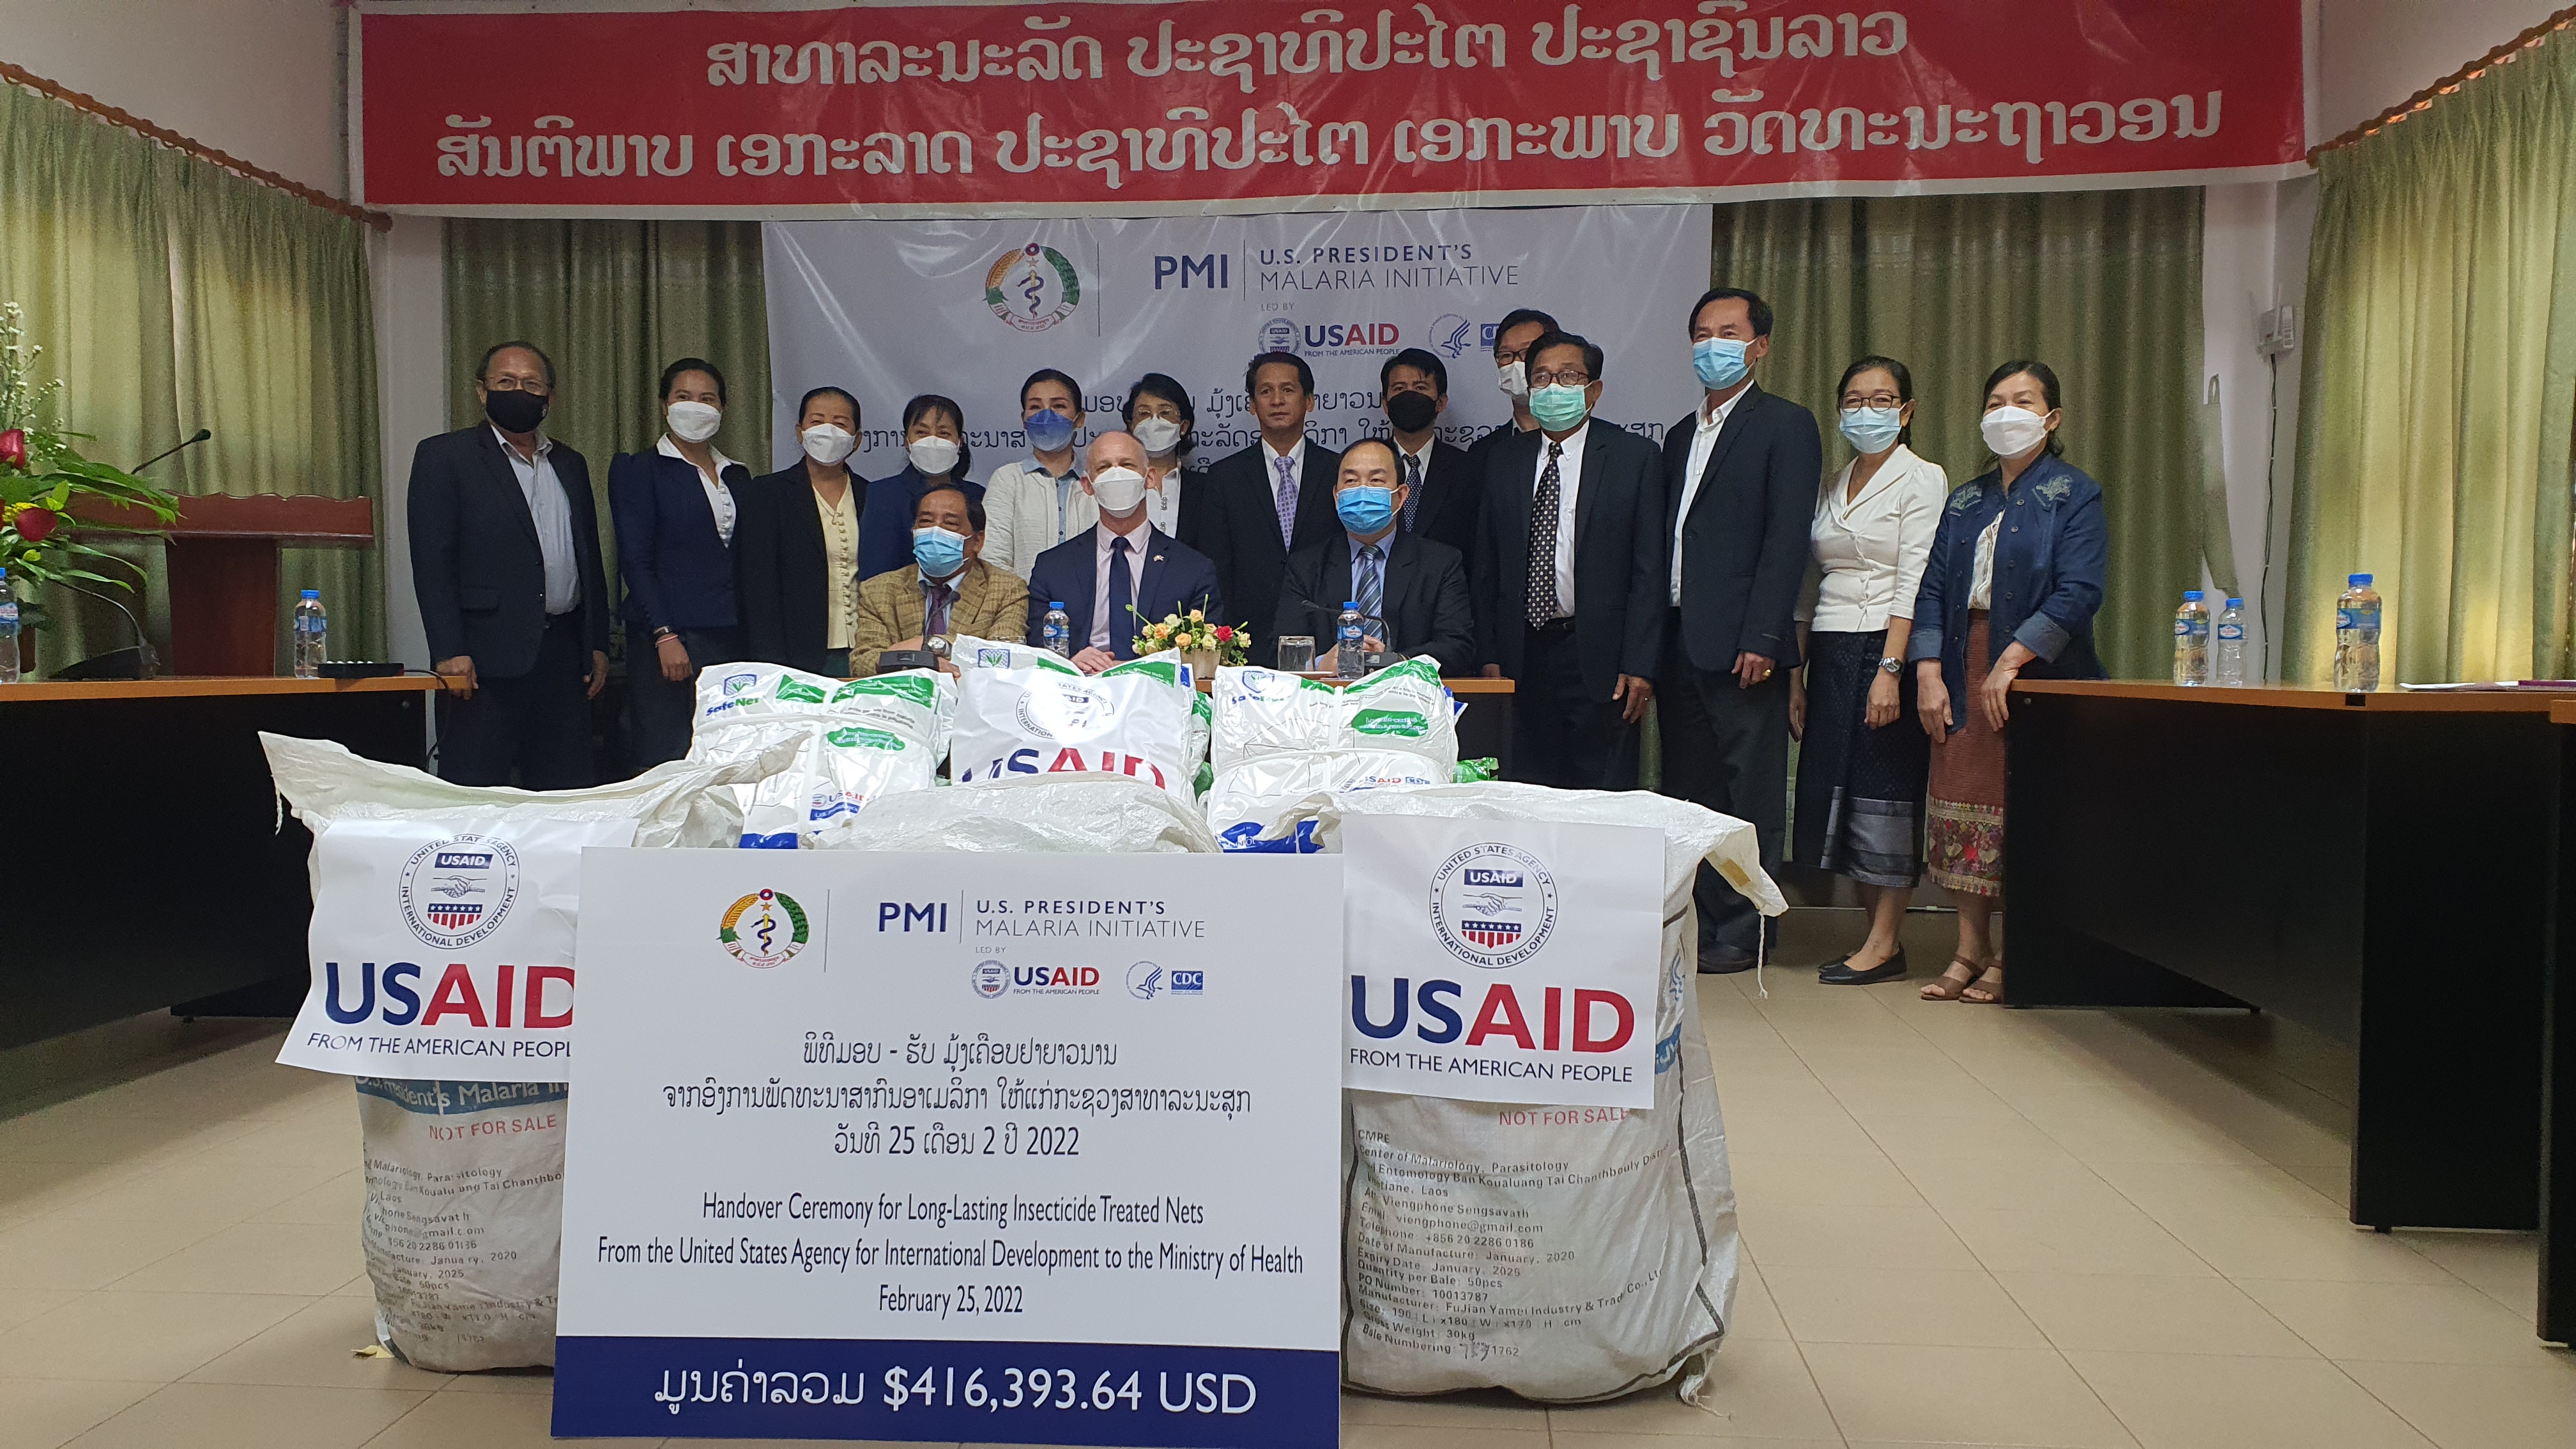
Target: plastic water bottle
(8, 631)
(2191, 641)
(1350, 640)
(1056, 632)
(2229, 662)
(312, 635)
(2357, 637)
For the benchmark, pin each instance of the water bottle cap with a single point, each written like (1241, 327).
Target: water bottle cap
(2359, 581)
(2235, 603)
(2190, 595)
(1350, 604)
(1055, 603)
(312, 593)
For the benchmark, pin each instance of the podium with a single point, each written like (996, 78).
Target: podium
(223, 569)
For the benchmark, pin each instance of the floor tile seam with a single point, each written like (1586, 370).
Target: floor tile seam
(2401, 1415)
(405, 1414)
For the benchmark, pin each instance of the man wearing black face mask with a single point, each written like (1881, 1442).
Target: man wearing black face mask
(505, 563)
(1445, 500)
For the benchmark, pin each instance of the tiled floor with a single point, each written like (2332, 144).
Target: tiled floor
(1962, 1225)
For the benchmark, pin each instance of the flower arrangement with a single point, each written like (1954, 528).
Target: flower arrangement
(1193, 634)
(42, 476)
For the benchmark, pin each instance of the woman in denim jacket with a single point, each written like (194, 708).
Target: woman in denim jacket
(2011, 588)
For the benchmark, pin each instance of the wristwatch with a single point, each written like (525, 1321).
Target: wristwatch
(1889, 665)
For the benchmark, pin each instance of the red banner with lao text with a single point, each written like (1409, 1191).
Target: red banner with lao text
(1244, 106)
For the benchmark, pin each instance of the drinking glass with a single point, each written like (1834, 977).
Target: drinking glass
(1296, 653)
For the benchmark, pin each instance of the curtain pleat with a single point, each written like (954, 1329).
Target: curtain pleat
(2439, 383)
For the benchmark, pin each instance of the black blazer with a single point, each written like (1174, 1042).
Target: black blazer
(1453, 497)
(1426, 606)
(1176, 579)
(1238, 529)
(679, 570)
(1744, 546)
(475, 564)
(782, 584)
(1619, 583)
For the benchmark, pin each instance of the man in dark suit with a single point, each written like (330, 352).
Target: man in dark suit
(1417, 586)
(1512, 338)
(505, 563)
(1444, 492)
(1741, 473)
(1121, 572)
(1269, 500)
(1569, 577)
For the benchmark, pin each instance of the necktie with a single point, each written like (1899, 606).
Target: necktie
(1370, 584)
(934, 619)
(1287, 501)
(1412, 489)
(1542, 546)
(1122, 598)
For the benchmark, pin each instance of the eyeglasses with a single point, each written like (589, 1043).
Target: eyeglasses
(1874, 400)
(516, 384)
(1573, 377)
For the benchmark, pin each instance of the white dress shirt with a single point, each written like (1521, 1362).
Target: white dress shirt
(840, 568)
(1569, 482)
(553, 515)
(1869, 551)
(1028, 511)
(1703, 443)
(1106, 611)
(1270, 457)
(719, 496)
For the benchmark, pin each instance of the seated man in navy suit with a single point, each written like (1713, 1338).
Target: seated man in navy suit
(1121, 572)
(1416, 584)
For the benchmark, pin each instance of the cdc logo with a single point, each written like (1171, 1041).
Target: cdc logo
(1145, 981)
(456, 892)
(1493, 905)
(992, 978)
(1279, 334)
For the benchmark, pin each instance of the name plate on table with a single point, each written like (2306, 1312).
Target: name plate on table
(965, 1147)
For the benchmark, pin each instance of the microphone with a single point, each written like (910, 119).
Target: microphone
(139, 662)
(202, 435)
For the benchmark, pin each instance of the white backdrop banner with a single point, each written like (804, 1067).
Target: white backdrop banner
(891, 309)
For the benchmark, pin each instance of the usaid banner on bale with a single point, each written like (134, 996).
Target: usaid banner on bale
(1502, 960)
(959, 1147)
(1109, 300)
(442, 951)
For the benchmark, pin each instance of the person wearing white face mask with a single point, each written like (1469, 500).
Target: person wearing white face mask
(936, 454)
(1035, 502)
(796, 547)
(676, 508)
(1861, 770)
(2011, 587)
(1512, 338)
(1159, 413)
(1121, 573)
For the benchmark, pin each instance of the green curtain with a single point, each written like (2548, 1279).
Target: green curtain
(2103, 286)
(611, 302)
(170, 294)
(2439, 383)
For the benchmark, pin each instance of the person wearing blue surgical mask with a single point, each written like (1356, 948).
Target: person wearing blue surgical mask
(1414, 587)
(1863, 763)
(1037, 502)
(947, 589)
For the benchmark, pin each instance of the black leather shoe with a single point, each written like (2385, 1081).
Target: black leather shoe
(1718, 959)
(1840, 973)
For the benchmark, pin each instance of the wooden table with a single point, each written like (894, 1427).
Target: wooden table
(151, 865)
(2558, 1060)
(2378, 867)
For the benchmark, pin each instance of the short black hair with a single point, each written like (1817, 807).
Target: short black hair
(1591, 351)
(1169, 389)
(1305, 374)
(483, 369)
(974, 505)
(2047, 389)
(1420, 360)
(1049, 374)
(931, 402)
(843, 393)
(1392, 460)
(1517, 317)
(1894, 369)
(1754, 306)
(671, 374)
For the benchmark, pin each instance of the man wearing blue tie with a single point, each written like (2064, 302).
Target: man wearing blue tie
(1121, 572)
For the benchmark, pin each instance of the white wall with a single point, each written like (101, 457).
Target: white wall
(2374, 53)
(258, 79)
(407, 271)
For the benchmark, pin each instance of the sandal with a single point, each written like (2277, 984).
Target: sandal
(1988, 988)
(1951, 983)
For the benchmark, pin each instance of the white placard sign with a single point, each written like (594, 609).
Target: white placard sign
(1002, 1148)
(1502, 960)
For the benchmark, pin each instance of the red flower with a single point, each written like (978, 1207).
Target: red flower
(1225, 633)
(13, 447)
(35, 525)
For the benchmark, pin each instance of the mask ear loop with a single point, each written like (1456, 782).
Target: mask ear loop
(1761, 949)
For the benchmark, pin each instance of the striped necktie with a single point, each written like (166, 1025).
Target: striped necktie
(1369, 579)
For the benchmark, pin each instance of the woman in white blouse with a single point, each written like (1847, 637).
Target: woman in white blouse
(1862, 763)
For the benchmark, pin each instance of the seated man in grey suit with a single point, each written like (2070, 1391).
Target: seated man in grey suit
(1416, 584)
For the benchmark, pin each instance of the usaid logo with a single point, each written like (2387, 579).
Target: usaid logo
(456, 892)
(1493, 905)
(1053, 708)
(1278, 334)
(992, 978)
(995, 979)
